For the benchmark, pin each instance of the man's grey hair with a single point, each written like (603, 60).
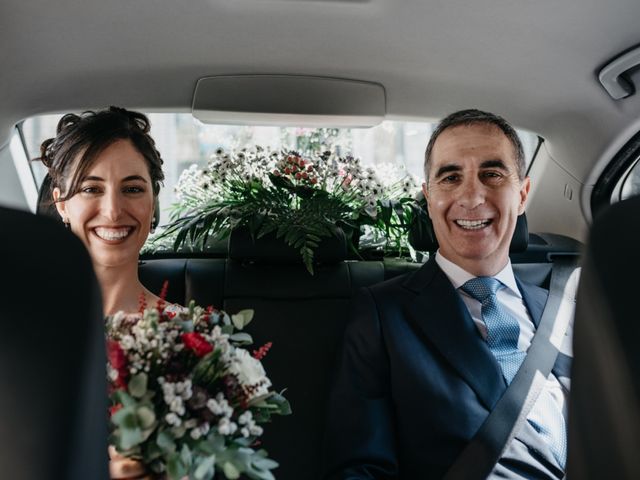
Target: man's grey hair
(476, 117)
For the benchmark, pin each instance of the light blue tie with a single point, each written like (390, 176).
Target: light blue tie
(503, 332)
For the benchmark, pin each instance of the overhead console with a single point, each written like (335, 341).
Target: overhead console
(307, 101)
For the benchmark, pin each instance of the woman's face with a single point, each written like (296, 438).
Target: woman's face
(113, 211)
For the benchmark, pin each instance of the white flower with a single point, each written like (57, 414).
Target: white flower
(247, 369)
(226, 426)
(173, 419)
(220, 406)
(245, 418)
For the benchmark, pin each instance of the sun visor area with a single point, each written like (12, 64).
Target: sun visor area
(287, 100)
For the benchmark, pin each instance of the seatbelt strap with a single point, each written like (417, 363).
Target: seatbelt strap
(480, 456)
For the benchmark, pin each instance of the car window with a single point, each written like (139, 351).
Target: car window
(393, 148)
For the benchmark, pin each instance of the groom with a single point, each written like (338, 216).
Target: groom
(426, 356)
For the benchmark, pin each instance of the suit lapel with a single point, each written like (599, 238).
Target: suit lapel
(535, 299)
(441, 317)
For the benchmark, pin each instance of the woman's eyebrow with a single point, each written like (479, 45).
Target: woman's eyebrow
(92, 178)
(130, 178)
(134, 177)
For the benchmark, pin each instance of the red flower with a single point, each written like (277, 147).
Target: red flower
(114, 408)
(116, 355)
(197, 343)
(118, 360)
(262, 351)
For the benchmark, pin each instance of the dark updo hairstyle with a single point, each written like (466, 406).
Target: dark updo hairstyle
(89, 134)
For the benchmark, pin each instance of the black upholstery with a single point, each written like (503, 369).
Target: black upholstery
(54, 400)
(271, 249)
(604, 425)
(45, 205)
(424, 238)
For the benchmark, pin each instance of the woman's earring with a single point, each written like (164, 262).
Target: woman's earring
(66, 222)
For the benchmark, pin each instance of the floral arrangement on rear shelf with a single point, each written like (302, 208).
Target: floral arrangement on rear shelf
(187, 398)
(299, 199)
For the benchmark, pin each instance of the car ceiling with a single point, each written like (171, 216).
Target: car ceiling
(536, 63)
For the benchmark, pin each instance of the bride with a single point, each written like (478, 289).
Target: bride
(105, 175)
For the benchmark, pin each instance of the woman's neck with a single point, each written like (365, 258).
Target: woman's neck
(121, 288)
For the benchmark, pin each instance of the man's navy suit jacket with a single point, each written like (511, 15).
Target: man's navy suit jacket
(415, 380)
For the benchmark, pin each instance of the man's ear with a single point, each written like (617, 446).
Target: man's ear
(60, 206)
(524, 193)
(425, 192)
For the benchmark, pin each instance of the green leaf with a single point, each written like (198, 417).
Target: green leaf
(138, 385)
(125, 417)
(241, 338)
(230, 471)
(120, 396)
(265, 463)
(165, 442)
(284, 408)
(146, 416)
(185, 455)
(227, 329)
(130, 437)
(205, 468)
(242, 318)
(175, 468)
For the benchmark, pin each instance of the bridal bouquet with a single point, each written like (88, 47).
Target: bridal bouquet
(187, 398)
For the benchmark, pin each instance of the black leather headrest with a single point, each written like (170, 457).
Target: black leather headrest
(269, 249)
(423, 238)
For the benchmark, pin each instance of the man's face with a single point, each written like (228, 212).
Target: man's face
(474, 196)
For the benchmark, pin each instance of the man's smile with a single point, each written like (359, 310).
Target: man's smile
(473, 224)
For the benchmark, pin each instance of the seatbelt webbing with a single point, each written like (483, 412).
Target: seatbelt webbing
(480, 456)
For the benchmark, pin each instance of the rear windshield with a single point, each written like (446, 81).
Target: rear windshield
(392, 148)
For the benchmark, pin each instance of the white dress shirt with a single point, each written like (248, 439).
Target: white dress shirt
(511, 299)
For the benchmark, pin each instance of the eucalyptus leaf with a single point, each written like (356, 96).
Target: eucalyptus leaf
(175, 468)
(205, 468)
(130, 437)
(230, 471)
(138, 385)
(146, 416)
(185, 455)
(241, 338)
(166, 442)
(227, 329)
(122, 397)
(242, 318)
(265, 463)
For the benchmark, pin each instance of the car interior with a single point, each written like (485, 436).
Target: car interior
(565, 72)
